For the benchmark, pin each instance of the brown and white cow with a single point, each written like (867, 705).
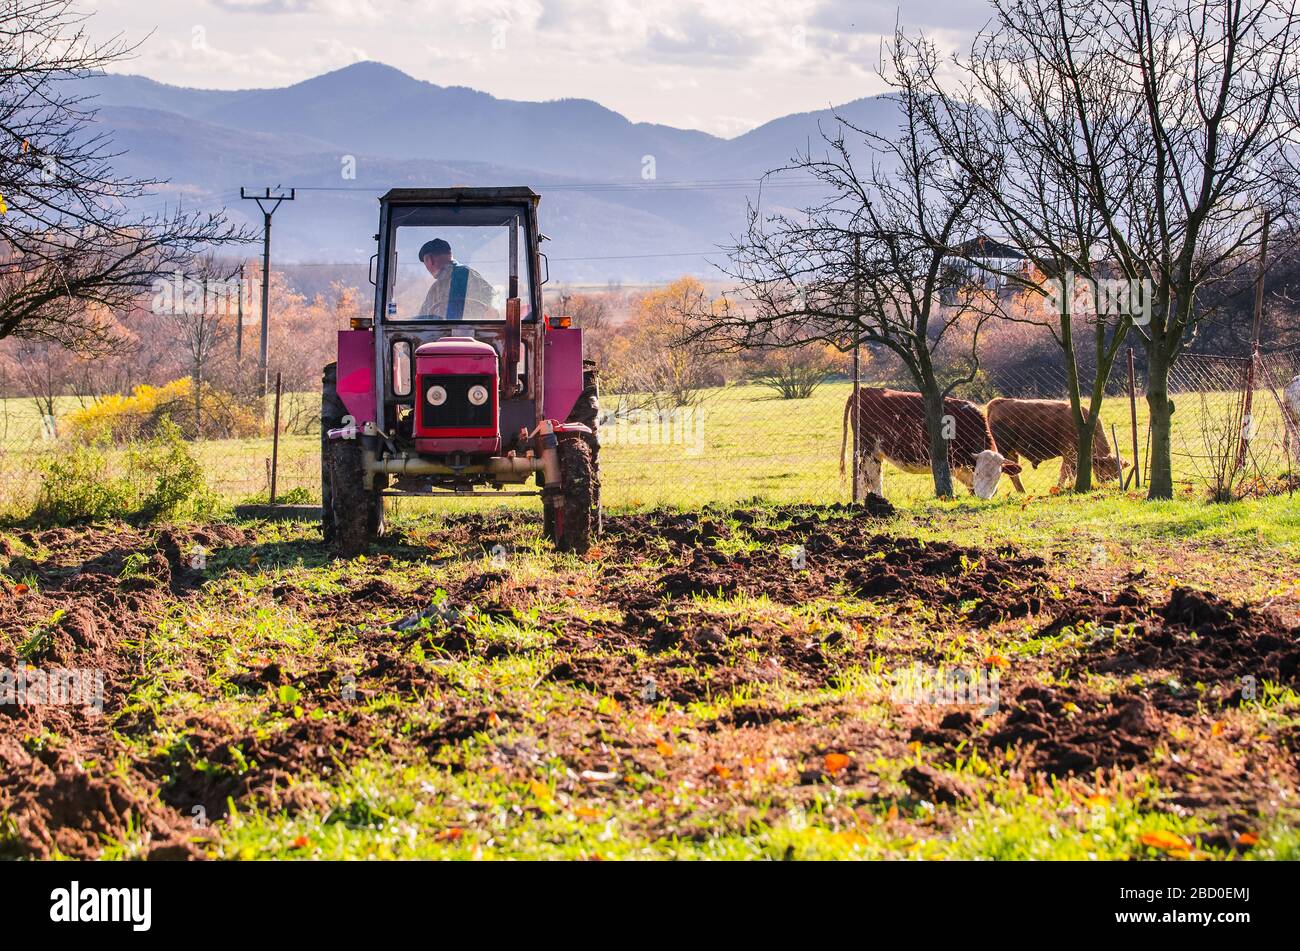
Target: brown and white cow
(891, 424)
(1038, 430)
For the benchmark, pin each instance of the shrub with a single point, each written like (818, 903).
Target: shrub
(796, 372)
(123, 419)
(157, 478)
(78, 487)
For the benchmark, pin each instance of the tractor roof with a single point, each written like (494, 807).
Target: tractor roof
(451, 195)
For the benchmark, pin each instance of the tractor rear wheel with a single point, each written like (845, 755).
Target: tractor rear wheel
(586, 410)
(568, 513)
(332, 412)
(358, 513)
(351, 517)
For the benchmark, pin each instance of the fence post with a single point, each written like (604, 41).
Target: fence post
(1133, 419)
(275, 438)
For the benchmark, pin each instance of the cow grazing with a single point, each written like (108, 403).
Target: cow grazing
(891, 425)
(1038, 430)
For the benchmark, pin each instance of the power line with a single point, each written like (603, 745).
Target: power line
(651, 185)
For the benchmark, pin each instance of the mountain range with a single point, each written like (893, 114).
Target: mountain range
(622, 201)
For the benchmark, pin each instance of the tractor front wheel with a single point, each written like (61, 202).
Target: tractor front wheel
(568, 512)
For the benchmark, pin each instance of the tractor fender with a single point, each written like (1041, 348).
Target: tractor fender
(571, 428)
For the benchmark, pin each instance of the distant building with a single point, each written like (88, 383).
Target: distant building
(983, 262)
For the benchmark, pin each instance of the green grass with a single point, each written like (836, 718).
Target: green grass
(742, 443)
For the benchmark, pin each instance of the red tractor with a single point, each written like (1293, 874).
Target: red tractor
(459, 385)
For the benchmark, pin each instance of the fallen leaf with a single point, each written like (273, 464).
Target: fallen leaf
(1247, 839)
(1165, 841)
(836, 762)
(665, 749)
(449, 835)
(1098, 800)
(301, 842)
(586, 812)
(1217, 729)
(719, 770)
(20, 589)
(892, 814)
(1054, 490)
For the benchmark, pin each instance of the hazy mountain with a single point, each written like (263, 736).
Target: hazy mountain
(607, 221)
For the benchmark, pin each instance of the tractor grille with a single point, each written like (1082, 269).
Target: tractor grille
(457, 412)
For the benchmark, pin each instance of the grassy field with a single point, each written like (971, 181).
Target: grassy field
(686, 690)
(742, 443)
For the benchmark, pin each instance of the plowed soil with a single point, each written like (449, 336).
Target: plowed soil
(1131, 667)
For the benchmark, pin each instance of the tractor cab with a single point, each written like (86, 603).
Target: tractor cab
(458, 384)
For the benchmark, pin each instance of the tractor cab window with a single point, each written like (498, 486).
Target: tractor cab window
(457, 262)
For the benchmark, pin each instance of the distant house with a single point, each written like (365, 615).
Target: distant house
(985, 262)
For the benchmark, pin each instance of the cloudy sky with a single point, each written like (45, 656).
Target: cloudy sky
(724, 66)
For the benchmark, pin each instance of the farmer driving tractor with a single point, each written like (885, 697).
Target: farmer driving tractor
(458, 292)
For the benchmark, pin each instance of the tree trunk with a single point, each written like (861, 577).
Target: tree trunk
(1083, 464)
(198, 399)
(934, 427)
(1160, 455)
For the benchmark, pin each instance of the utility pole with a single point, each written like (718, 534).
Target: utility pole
(268, 202)
(239, 327)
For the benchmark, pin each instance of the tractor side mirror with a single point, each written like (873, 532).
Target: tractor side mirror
(514, 343)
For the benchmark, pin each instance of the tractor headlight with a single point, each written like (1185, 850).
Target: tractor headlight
(478, 395)
(436, 396)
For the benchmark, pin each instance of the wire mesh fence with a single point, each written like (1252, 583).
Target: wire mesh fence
(1233, 434)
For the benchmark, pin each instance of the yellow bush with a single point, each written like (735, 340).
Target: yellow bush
(119, 418)
(140, 415)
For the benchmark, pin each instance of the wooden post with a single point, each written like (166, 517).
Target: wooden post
(857, 357)
(239, 327)
(1133, 418)
(275, 437)
(1248, 398)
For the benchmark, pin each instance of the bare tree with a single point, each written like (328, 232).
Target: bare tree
(1039, 126)
(871, 259)
(72, 249)
(1202, 153)
(200, 316)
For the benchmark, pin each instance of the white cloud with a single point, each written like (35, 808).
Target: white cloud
(736, 61)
